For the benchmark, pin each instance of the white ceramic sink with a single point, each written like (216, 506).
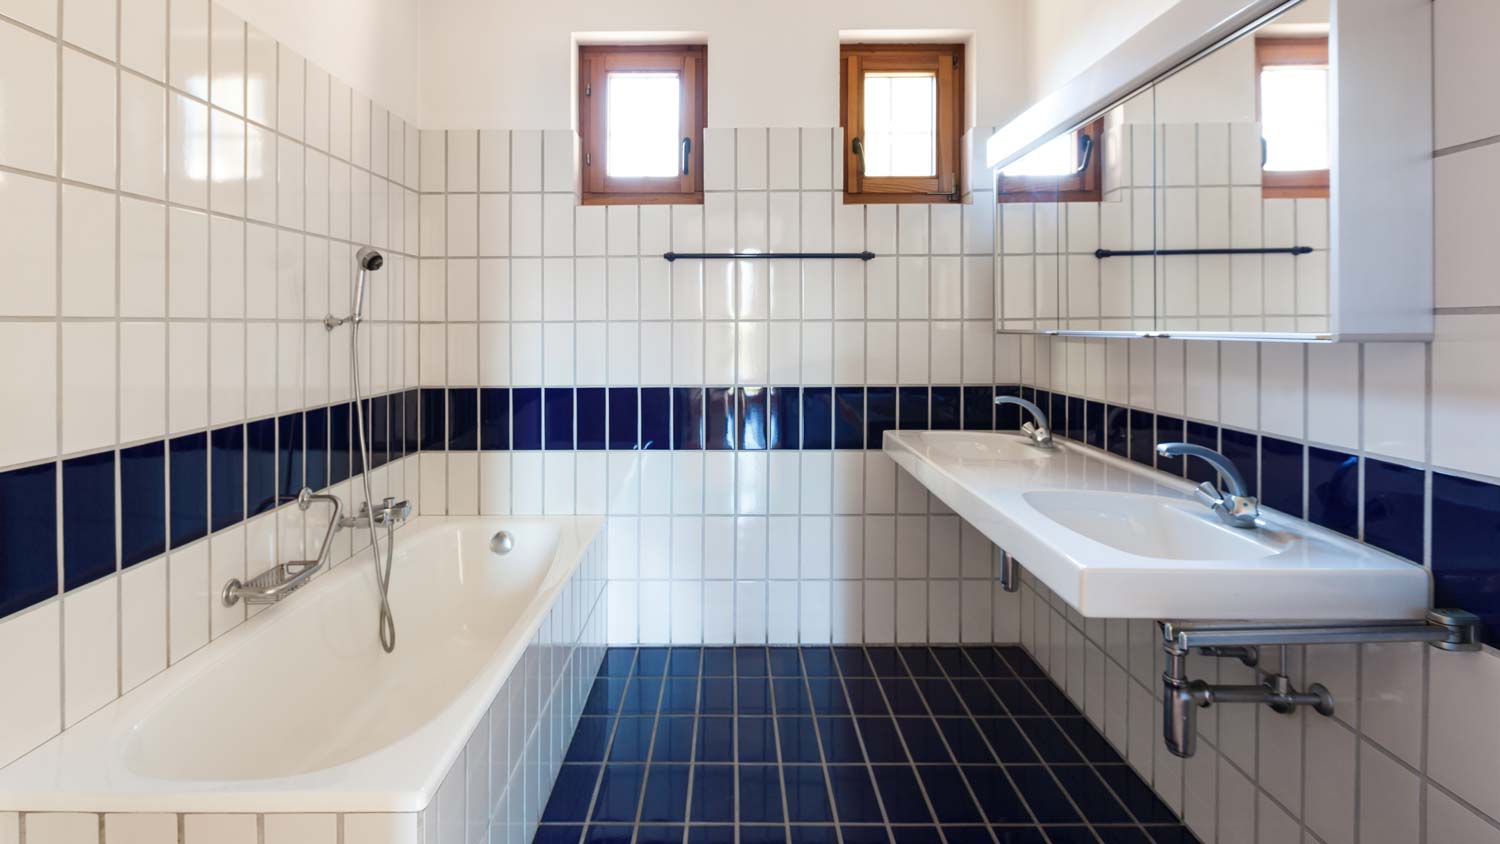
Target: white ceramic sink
(1155, 526)
(1118, 540)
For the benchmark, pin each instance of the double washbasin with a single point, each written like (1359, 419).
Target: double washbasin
(1119, 540)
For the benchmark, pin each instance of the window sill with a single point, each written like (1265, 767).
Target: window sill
(641, 198)
(905, 198)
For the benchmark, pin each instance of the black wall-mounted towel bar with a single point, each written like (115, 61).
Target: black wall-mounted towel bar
(1278, 250)
(735, 256)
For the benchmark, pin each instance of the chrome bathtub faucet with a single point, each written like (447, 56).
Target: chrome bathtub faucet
(1237, 508)
(390, 512)
(1039, 434)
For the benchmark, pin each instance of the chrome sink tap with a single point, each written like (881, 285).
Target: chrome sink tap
(390, 512)
(1237, 508)
(1039, 434)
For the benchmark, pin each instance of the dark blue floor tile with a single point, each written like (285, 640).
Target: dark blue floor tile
(799, 740)
(865, 834)
(997, 798)
(760, 794)
(899, 791)
(954, 663)
(618, 662)
(923, 740)
(608, 834)
(1018, 835)
(921, 663)
(803, 834)
(865, 696)
(852, 662)
(827, 695)
(950, 796)
(680, 696)
(1121, 835)
(806, 794)
(1049, 741)
(1070, 835)
(750, 662)
(590, 740)
(819, 662)
(546, 834)
(940, 697)
(965, 740)
(1047, 801)
(674, 739)
(988, 662)
(666, 794)
(1094, 746)
(716, 696)
(713, 794)
(757, 740)
(1171, 835)
(762, 834)
(660, 834)
(1136, 794)
(967, 835)
(753, 696)
(1053, 699)
(651, 662)
(785, 662)
(632, 740)
(916, 835)
(642, 696)
(1006, 740)
(619, 793)
(853, 794)
(1021, 664)
(1088, 792)
(882, 741)
(886, 662)
(979, 699)
(570, 798)
(715, 740)
(710, 835)
(840, 740)
(718, 662)
(1017, 699)
(604, 698)
(903, 697)
(685, 662)
(791, 696)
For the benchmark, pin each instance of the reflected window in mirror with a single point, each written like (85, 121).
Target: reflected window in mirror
(901, 106)
(1064, 169)
(1291, 84)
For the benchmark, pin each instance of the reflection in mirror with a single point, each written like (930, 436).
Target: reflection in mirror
(1209, 212)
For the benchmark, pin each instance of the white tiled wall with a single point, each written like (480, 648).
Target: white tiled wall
(1410, 754)
(521, 286)
(180, 200)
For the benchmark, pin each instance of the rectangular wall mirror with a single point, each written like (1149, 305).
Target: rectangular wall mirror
(1201, 203)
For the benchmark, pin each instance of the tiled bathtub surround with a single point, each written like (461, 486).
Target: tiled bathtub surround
(493, 793)
(728, 528)
(180, 201)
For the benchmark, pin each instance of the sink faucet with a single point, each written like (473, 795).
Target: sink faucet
(1039, 434)
(1238, 508)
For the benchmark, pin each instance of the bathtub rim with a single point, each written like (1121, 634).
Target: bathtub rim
(54, 777)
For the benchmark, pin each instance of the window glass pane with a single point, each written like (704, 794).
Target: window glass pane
(643, 113)
(900, 124)
(1057, 157)
(1294, 117)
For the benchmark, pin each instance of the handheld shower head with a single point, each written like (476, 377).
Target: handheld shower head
(368, 260)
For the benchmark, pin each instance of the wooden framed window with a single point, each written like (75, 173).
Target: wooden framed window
(641, 113)
(902, 109)
(1291, 104)
(1065, 169)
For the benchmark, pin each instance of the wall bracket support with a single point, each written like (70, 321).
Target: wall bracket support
(1451, 630)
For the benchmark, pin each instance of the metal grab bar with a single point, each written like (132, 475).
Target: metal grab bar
(738, 256)
(1268, 250)
(281, 580)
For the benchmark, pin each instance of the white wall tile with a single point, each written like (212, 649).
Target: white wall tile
(29, 645)
(28, 245)
(28, 430)
(28, 85)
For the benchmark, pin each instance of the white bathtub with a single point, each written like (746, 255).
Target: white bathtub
(298, 710)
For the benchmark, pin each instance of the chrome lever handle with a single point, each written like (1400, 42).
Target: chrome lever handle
(1209, 495)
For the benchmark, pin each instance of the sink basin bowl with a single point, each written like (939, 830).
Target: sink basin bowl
(1154, 526)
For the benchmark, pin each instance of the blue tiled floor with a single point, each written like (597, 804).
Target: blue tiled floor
(842, 746)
